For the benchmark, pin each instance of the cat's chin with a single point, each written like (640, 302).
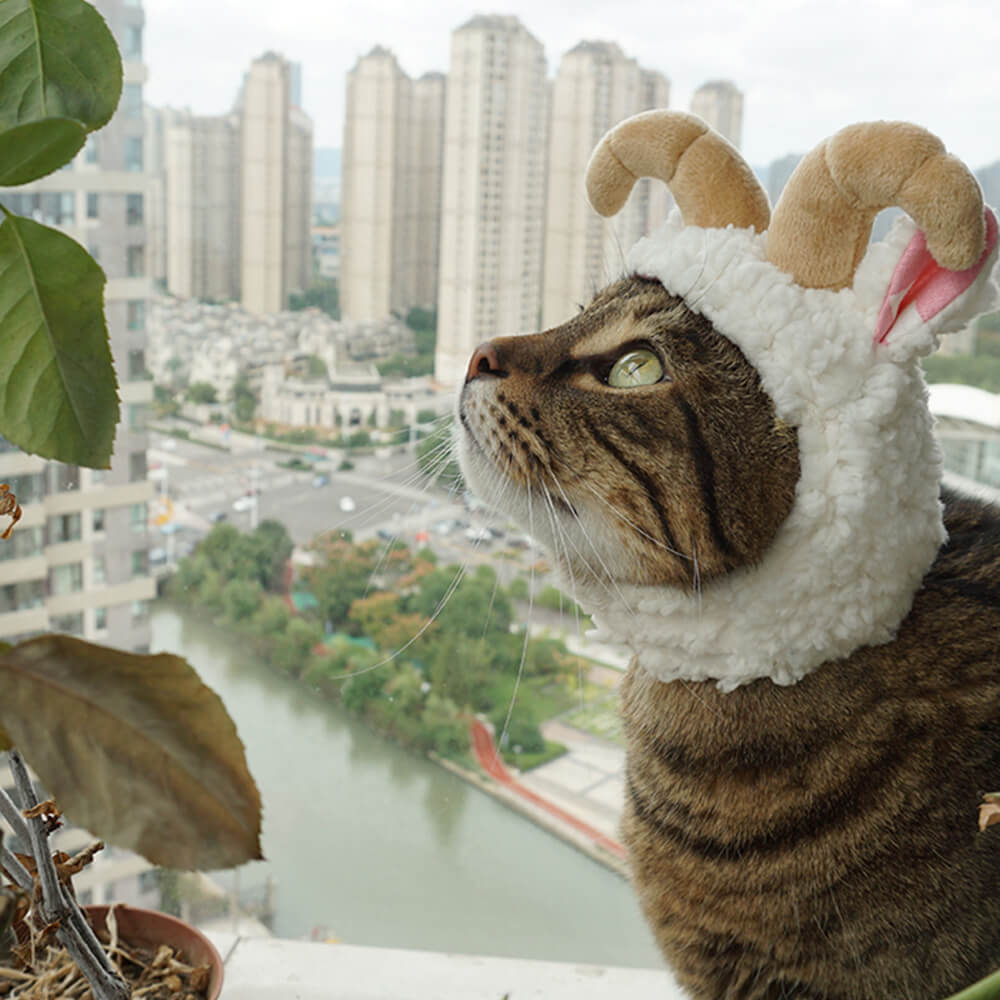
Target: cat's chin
(588, 554)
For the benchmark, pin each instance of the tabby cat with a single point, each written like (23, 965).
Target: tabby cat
(803, 831)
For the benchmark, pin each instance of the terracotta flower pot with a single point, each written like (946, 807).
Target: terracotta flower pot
(150, 928)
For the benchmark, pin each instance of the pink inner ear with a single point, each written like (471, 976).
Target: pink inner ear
(920, 281)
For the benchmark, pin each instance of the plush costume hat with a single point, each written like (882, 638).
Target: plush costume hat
(835, 328)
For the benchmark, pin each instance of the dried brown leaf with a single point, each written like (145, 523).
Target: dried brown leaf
(134, 748)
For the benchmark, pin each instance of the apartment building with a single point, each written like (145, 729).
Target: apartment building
(391, 184)
(78, 561)
(720, 103)
(596, 87)
(202, 186)
(493, 205)
(275, 187)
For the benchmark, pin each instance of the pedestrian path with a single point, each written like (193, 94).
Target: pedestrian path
(490, 761)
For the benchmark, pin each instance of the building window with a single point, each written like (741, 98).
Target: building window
(135, 314)
(149, 881)
(133, 209)
(100, 571)
(139, 516)
(98, 523)
(71, 624)
(22, 596)
(66, 579)
(55, 208)
(137, 413)
(140, 567)
(132, 41)
(136, 466)
(140, 610)
(132, 100)
(93, 205)
(100, 619)
(63, 478)
(28, 488)
(23, 543)
(133, 152)
(135, 261)
(90, 149)
(137, 364)
(64, 528)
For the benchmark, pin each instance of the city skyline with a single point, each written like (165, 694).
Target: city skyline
(806, 72)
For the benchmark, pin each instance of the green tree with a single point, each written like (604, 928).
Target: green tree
(240, 599)
(271, 618)
(244, 399)
(201, 392)
(271, 547)
(315, 367)
(475, 605)
(460, 668)
(293, 648)
(517, 589)
(323, 295)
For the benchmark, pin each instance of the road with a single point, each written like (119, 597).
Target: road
(379, 495)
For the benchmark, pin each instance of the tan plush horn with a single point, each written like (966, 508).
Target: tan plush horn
(823, 220)
(710, 181)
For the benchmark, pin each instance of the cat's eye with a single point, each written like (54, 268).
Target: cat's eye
(640, 367)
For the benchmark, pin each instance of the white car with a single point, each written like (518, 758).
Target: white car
(244, 503)
(347, 505)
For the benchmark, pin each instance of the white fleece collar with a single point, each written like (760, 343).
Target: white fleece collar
(866, 522)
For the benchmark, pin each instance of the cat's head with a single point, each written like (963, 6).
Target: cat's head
(729, 453)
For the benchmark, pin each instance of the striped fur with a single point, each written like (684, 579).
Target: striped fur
(812, 841)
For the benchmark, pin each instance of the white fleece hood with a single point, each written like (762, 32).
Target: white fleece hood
(866, 524)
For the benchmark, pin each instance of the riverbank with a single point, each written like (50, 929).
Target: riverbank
(570, 824)
(384, 847)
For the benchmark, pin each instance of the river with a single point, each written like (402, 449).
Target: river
(386, 848)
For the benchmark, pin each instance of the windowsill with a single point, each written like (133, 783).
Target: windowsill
(276, 969)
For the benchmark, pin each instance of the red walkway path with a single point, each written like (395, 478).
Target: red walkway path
(490, 762)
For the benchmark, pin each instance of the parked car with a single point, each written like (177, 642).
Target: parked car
(216, 516)
(245, 503)
(319, 481)
(479, 535)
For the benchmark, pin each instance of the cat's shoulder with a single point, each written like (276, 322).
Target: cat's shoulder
(972, 551)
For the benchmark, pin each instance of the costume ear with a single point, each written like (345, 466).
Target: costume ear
(922, 293)
(922, 285)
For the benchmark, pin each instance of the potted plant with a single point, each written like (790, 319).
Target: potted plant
(135, 748)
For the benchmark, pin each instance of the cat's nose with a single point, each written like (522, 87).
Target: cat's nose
(485, 361)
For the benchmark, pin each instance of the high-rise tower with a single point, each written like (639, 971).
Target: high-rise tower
(596, 87)
(391, 189)
(276, 187)
(720, 103)
(493, 206)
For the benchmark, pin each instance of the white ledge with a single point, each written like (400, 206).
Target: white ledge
(276, 969)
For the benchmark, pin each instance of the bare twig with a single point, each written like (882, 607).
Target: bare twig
(14, 819)
(58, 907)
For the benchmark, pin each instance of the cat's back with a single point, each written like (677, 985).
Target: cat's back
(820, 840)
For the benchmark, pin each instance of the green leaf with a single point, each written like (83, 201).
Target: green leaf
(58, 391)
(30, 151)
(135, 749)
(58, 59)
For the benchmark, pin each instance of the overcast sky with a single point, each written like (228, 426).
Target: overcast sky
(807, 69)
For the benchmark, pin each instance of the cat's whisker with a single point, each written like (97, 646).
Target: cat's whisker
(558, 530)
(527, 629)
(611, 577)
(621, 517)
